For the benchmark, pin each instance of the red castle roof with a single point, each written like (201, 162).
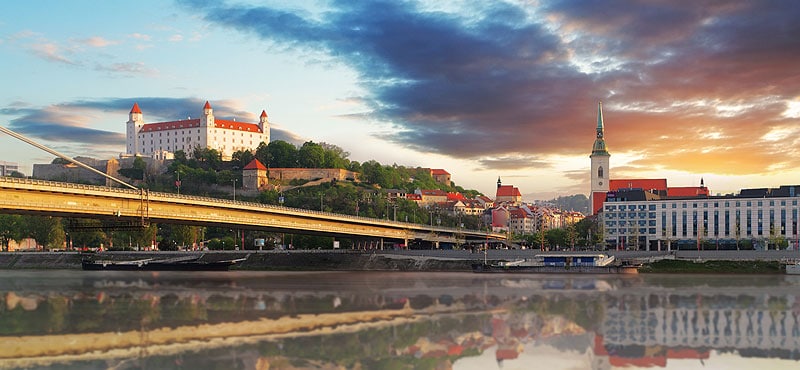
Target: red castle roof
(186, 123)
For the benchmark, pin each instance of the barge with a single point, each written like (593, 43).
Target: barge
(185, 263)
(570, 263)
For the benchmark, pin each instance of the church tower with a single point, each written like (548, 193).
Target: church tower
(600, 166)
(133, 126)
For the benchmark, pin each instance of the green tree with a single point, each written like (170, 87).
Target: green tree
(47, 231)
(242, 158)
(335, 157)
(10, 229)
(212, 158)
(185, 235)
(311, 155)
(279, 154)
(557, 238)
(89, 235)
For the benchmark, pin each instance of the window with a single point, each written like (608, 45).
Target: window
(599, 172)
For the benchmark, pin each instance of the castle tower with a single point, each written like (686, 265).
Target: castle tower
(600, 166)
(263, 124)
(133, 126)
(208, 116)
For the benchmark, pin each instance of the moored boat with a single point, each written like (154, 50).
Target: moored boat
(187, 263)
(572, 263)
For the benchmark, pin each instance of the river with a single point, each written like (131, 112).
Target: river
(69, 319)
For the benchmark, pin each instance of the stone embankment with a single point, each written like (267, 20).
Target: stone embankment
(256, 261)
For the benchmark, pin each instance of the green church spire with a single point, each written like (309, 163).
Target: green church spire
(599, 143)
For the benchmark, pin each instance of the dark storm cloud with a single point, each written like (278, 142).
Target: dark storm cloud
(57, 125)
(454, 84)
(499, 78)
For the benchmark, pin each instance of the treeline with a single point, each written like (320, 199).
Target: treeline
(577, 202)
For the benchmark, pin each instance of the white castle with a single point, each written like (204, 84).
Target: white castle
(160, 140)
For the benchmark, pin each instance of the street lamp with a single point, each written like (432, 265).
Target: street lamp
(234, 189)
(178, 181)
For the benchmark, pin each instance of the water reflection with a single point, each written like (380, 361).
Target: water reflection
(249, 320)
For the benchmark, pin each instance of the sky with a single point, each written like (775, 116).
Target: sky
(483, 89)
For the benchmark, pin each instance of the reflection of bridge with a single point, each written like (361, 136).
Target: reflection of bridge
(140, 206)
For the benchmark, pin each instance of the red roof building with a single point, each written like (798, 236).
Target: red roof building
(441, 176)
(508, 194)
(161, 140)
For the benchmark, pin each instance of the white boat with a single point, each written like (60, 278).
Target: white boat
(559, 263)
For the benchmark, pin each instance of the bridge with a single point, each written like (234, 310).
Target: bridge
(139, 206)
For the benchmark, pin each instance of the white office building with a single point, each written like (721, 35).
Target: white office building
(754, 218)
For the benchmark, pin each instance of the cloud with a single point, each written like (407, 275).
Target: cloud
(127, 69)
(51, 52)
(60, 124)
(97, 42)
(492, 80)
(140, 36)
(513, 162)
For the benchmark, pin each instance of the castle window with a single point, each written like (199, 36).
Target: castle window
(600, 172)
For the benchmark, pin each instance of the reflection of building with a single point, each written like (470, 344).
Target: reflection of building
(161, 140)
(759, 325)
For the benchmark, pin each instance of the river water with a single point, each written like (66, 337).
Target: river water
(378, 320)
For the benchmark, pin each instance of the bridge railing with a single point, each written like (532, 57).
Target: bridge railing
(170, 197)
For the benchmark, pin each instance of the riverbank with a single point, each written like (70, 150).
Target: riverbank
(433, 261)
(256, 261)
(671, 266)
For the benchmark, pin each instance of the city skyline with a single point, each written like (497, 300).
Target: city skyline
(705, 90)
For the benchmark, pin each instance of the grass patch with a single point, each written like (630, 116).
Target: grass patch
(713, 267)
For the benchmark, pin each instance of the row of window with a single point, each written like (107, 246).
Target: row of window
(652, 207)
(198, 131)
(189, 140)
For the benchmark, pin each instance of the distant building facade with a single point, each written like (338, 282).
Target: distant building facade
(646, 214)
(6, 168)
(508, 194)
(754, 218)
(72, 173)
(441, 176)
(160, 140)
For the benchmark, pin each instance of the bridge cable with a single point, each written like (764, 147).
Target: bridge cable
(62, 156)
